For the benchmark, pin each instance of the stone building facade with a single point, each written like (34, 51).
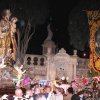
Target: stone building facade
(51, 66)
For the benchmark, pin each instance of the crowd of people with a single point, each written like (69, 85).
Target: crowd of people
(56, 90)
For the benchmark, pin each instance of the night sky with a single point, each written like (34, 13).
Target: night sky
(58, 17)
(57, 14)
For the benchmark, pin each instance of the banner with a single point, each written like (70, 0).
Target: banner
(94, 27)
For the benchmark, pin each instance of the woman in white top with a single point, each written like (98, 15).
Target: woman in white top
(58, 95)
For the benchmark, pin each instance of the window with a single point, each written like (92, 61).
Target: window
(35, 61)
(28, 60)
(42, 61)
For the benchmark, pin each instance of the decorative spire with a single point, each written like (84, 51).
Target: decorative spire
(50, 33)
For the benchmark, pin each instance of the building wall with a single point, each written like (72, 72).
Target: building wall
(58, 65)
(82, 67)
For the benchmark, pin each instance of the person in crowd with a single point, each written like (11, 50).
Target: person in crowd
(19, 95)
(62, 91)
(58, 95)
(74, 85)
(69, 93)
(33, 81)
(40, 97)
(29, 95)
(32, 88)
(48, 93)
(81, 95)
(37, 89)
(75, 97)
(10, 97)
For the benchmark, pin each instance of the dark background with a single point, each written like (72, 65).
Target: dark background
(44, 12)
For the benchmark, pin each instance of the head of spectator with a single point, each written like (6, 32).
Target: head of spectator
(58, 90)
(18, 93)
(75, 97)
(47, 89)
(32, 88)
(23, 90)
(37, 89)
(10, 97)
(62, 91)
(70, 91)
(28, 93)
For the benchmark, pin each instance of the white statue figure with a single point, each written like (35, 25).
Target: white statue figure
(50, 33)
(2, 63)
(20, 74)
